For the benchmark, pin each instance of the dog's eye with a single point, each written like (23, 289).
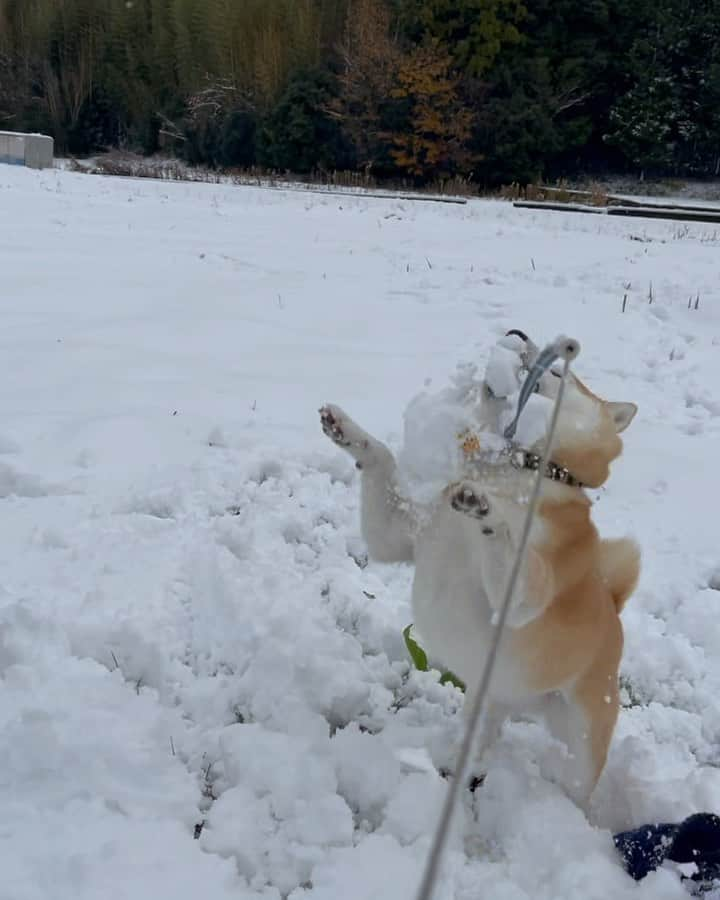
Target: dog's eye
(536, 389)
(556, 374)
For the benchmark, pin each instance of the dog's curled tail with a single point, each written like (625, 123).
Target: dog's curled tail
(619, 565)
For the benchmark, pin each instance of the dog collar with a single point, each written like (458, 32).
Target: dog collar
(520, 459)
(524, 459)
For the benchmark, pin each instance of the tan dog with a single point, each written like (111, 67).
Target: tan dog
(564, 641)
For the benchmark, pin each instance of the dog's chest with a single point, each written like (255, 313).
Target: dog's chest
(450, 605)
(449, 600)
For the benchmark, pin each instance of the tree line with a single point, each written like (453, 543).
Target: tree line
(492, 90)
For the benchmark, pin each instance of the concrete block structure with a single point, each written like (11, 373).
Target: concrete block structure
(32, 150)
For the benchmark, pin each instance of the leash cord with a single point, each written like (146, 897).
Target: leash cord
(432, 867)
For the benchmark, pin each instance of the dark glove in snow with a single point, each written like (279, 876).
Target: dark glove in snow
(696, 840)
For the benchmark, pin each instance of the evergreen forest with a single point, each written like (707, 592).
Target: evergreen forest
(494, 91)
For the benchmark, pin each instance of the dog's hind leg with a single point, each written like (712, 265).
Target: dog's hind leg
(488, 733)
(388, 520)
(587, 722)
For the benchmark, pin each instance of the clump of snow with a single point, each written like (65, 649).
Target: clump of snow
(279, 808)
(502, 373)
(431, 455)
(367, 773)
(435, 423)
(532, 426)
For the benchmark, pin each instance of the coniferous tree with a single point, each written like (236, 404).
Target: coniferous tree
(473, 32)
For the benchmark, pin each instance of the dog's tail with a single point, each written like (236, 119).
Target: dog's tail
(619, 565)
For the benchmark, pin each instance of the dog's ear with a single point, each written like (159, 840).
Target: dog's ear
(622, 414)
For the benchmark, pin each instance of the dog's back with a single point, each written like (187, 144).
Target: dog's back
(619, 563)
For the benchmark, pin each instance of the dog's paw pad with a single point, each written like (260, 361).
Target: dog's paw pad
(466, 500)
(331, 420)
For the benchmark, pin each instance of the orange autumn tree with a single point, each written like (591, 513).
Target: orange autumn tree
(433, 141)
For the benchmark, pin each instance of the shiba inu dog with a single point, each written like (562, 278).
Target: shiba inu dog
(562, 647)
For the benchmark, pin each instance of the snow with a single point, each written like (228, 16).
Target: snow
(503, 368)
(205, 690)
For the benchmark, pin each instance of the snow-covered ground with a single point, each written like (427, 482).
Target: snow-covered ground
(204, 690)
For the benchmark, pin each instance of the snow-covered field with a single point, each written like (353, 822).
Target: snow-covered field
(204, 691)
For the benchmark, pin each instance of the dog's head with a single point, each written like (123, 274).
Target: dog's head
(587, 439)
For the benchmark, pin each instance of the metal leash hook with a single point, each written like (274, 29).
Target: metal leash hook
(566, 349)
(561, 348)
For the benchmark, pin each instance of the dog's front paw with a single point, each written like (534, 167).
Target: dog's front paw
(346, 433)
(332, 420)
(467, 499)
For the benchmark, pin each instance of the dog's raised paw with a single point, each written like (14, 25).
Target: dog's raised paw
(344, 432)
(331, 420)
(466, 499)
